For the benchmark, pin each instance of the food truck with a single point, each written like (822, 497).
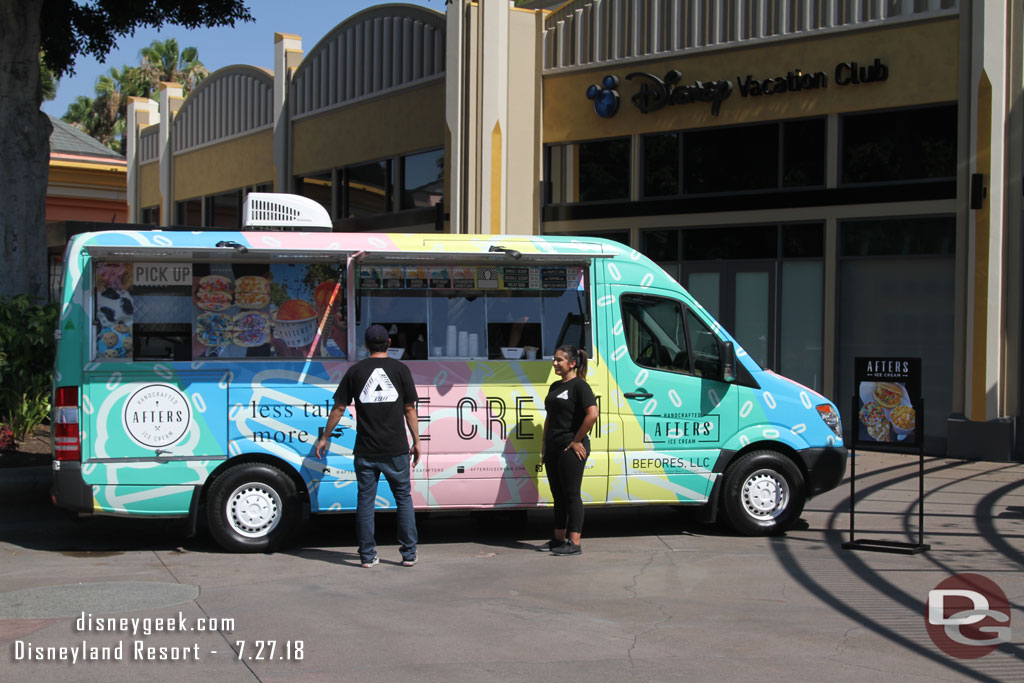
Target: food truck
(195, 371)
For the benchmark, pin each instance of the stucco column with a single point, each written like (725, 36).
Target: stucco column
(170, 101)
(987, 218)
(142, 112)
(287, 56)
(493, 117)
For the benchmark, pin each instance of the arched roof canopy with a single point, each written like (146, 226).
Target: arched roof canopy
(380, 49)
(229, 102)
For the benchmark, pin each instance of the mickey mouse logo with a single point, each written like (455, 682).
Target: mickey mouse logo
(606, 98)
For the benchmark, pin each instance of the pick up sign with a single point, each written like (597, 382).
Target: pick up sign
(162, 274)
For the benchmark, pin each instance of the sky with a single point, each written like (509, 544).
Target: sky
(247, 43)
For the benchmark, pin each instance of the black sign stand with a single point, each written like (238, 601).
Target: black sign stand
(883, 546)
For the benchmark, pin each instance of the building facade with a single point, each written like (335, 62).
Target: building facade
(831, 178)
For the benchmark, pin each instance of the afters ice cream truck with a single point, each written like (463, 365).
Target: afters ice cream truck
(195, 371)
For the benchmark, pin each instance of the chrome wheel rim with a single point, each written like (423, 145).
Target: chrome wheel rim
(765, 495)
(253, 510)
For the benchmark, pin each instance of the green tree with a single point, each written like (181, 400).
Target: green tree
(162, 62)
(104, 117)
(63, 30)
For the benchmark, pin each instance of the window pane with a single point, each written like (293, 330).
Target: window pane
(752, 329)
(513, 320)
(912, 301)
(604, 170)
(454, 316)
(901, 145)
(423, 179)
(803, 153)
(557, 191)
(369, 189)
(731, 159)
(898, 236)
(190, 213)
(803, 240)
(402, 312)
(655, 333)
(224, 210)
(800, 326)
(753, 242)
(661, 165)
(317, 187)
(565, 315)
(660, 245)
(705, 288)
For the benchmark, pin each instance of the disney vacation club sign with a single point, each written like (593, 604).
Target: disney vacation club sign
(656, 93)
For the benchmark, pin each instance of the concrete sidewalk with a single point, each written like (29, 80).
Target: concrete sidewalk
(655, 596)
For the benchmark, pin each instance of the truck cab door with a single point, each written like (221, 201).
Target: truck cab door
(674, 408)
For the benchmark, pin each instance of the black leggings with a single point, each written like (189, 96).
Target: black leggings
(565, 475)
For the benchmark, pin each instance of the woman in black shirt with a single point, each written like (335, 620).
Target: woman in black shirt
(571, 412)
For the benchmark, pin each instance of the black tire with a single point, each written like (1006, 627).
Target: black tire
(272, 508)
(763, 494)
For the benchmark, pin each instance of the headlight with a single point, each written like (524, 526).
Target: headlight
(830, 415)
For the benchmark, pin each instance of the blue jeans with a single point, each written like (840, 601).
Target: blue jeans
(396, 471)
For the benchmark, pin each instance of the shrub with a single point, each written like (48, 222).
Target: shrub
(27, 350)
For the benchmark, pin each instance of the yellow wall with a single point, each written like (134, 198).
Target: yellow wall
(922, 61)
(149, 184)
(241, 161)
(407, 121)
(87, 175)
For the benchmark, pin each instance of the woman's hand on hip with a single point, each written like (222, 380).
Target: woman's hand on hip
(579, 449)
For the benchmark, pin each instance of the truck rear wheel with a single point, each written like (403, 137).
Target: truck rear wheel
(252, 508)
(763, 494)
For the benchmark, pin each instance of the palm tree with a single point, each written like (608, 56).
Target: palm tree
(104, 116)
(80, 114)
(163, 62)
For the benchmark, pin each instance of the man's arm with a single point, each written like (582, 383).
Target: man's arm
(332, 421)
(414, 427)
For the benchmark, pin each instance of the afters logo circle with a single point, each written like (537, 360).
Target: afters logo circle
(967, 616)
(157, 415)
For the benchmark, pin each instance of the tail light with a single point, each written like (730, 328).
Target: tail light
(66, 443)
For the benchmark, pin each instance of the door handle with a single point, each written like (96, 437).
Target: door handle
(640, 395)
(163, 451)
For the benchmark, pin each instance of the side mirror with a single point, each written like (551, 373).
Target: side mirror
(727, 358)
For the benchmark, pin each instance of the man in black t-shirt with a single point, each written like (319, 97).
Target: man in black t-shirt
(384, 393)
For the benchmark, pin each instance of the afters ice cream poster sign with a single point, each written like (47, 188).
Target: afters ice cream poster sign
(888, 403)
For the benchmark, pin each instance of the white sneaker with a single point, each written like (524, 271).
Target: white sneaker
(372, 563)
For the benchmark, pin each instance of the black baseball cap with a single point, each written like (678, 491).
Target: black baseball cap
(376, 334)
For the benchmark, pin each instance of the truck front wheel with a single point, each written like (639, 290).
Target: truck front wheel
(763, 494)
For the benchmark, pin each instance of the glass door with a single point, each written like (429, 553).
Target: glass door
(741, 296)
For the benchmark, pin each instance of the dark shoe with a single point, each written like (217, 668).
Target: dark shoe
(550, 545)
(568, 548)
(411, 562)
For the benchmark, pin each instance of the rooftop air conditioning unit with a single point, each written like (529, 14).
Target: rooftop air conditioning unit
(279, 211)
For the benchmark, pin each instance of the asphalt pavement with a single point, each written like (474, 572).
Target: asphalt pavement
(655, 596)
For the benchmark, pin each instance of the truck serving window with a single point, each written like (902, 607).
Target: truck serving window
(475, 312)
(218, 310)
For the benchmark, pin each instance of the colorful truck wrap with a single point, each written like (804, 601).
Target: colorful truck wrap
(195, 370)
